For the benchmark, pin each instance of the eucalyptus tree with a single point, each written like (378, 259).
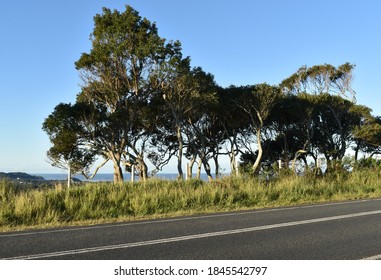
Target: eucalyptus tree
(314, 125)
(69, 151)
(314, 84)
(232, 121)
(182, 92)
(205, 134)
(322, 79)
(117, 79)
(334, 123)
(175, 95)
(202, 126)
(292, 127)
(367, 134)
(258, 102)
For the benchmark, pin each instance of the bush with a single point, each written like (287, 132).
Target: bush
(367, 163)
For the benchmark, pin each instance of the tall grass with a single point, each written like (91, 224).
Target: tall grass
(94, 202)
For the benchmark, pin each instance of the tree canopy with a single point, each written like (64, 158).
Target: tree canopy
(141, 100)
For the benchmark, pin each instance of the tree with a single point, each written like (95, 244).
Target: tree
(232, 122)
(68, 151)
(334, 122)
(205, 135)
(322, 79)
(291, 128)
(367, 134)
(116, 73)
(318, 84)
(258, 102)
(183, 92)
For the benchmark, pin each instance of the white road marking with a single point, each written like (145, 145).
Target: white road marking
(183, 218)
(192, 237)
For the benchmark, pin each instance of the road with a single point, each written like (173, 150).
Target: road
(344, 230)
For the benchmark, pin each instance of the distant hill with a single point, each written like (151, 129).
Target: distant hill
(20, 176)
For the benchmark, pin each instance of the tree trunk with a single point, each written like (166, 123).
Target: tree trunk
(234, 171)
(232, 157)
(260, 152)
(68, 177)
(180, 154)
(231, 152)
(144, 171)
(342, 149)
(286, 160)
(191, 163)
(297, 155)
(233, 167)
(199, 169)
(143, 174)
(207, 170)
(217, 166)
(118, 174)
(357, 152)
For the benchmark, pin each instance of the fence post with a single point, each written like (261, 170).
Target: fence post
(69, 177)
(132, 173)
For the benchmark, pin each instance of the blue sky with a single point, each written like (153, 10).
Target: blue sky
(241, 42)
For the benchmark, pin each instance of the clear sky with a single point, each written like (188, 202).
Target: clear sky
(241, 42)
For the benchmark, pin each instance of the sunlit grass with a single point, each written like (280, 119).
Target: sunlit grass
(100, 202)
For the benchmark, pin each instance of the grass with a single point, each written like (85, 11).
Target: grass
(105, 202)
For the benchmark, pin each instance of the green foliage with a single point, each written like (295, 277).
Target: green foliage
(112, 116)
(368, 163)
(141, 100)
(65, 129)
(319, 79)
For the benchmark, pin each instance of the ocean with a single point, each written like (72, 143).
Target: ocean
(109, 177)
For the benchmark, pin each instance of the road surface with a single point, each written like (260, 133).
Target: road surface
(344, 230)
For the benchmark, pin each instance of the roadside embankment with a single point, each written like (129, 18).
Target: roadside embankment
(90, 203)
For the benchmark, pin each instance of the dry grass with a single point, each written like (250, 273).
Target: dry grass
(103, 202)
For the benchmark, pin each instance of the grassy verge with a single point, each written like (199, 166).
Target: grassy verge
(101, 202)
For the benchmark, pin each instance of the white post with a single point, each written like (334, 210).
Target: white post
(188, 173)
(68, 177)
(132, 173)
(280, 164)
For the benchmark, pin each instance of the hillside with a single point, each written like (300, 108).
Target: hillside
(19, 176)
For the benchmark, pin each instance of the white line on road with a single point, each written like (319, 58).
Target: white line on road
(191, 237)
(183, 218)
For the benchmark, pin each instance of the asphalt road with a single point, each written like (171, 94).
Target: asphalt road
(346, 230)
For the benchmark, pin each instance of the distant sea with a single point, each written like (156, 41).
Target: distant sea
(109, 176)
